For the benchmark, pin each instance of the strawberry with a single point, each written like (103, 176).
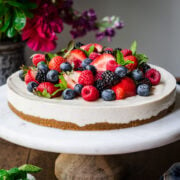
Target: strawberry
(47, 89)
(30, 76)
(55, 63)
(101, 61)
(76, 56)
(86, 78)
(97, 47)
(126, 52)
(125, 88)
(38, 58)
(72, 79)
(94, 55)
(111, 65)
(154, 76)
(89, 93)
(131, 66)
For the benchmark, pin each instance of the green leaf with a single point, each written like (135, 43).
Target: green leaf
(31, 5)
(3, 173)
(142, 58)
(19, 19)
(91, 49)
(7, 22)
(30, 168)
(46, 94)
(69, 48)
(3, 10)
(85, 52)
(16, 4)
(11, 32)
(63, 84)
(133, 47)
(120, 59)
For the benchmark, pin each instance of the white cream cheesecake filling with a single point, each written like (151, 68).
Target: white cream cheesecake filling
(81, 112)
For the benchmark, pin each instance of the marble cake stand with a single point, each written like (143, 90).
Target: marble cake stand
(89, 145)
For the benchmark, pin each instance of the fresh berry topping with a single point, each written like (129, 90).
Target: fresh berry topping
(47, 89)
(110, 78)
(76, 57)
(78, 45)
(121, 71)
(92, 69)
(111, 65)
(108, 95)
(90, 93)
(137, 74)
(86, 78)
(94, 55)
(38, 58)
(68, 94)
(125, 88)
(108, 49)
(97, 47)
(53, 76)
(98, 75)
(66, 67)
(30, 76)
(131, 66)
(55, 63)
(41, 76)
(86, 62)
(143, 90)
(144, 67)
(126, 52)
(100, 85)
(43, 67)
(115, 51)
(101, 62)
(32, 86)
(21, 75)
(154, 76)
(80, 69)
(78, 89)
(144, 81)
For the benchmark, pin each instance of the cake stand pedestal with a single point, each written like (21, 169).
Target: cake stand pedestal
(90, 146)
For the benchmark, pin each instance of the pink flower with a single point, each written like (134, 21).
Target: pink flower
(40, 31)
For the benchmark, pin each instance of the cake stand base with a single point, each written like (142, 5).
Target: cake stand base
(81, 167)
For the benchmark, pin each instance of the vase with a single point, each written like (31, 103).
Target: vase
(11, 58)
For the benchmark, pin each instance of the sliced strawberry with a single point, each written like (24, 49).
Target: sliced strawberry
(111, 65)
(131, 66)
(119, 91)
(101, 61)
(55, 63)
(30, 76)
(97, 47)
(94, 55)
(76, 56)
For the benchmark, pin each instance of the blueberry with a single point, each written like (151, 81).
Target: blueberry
(78, 88)
(121, 71)
(108, 95)
(86, 62)
(66, 67)
(43, 67)
(32, 86)
(21, 75)
(52, 76)
(91, 68)
(68, 94)
(41, 62)
(137, 74)
(143, 90)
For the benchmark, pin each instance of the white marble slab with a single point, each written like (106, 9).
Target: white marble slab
(148, 136)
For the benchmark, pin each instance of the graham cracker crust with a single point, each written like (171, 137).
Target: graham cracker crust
(97, 126)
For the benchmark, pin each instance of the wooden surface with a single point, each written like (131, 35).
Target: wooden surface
(147, 165)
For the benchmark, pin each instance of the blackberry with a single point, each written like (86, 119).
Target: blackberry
(100, 85)
(144, 81)
(78, 45)
(110, 78)
(108, 52)
(80, 69)
(145, 67)
(41, 76)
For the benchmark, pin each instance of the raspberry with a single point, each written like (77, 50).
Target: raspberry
(38, 58)
(98, 75)
(112, 65)
(100, 85)
(86, 78)
(90, 93)
(94, 55)
(110, 78)
(154, 76)
(126, 52)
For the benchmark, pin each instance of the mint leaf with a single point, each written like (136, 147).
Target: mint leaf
(142, 58)
(85, 52)
(30, 168)
(128, 62)
(46, 94)
(63, 84)
(3, 173)
(120, 59)
(133, 47)
(91, 49)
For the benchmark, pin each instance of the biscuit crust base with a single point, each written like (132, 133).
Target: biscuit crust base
(97, 126)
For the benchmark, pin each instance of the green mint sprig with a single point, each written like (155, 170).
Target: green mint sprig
(120, 59)
(87, 53)
(18, 173)
(133, 48)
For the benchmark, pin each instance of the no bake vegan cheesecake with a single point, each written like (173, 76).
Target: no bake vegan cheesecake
(90, 87)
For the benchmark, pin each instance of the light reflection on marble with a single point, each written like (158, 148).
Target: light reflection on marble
(148, 136)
